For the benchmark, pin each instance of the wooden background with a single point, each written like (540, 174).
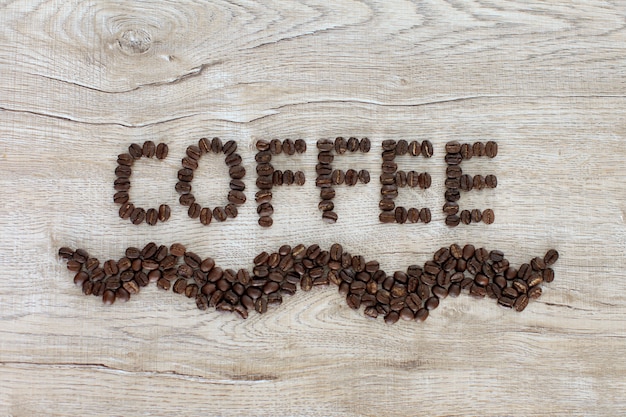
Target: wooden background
(81, 80)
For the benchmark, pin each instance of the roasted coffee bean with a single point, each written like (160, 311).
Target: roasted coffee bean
(387, 216)
(229, 148)
(264, 169)
(454, 171)
(276, 146)
(190, 163)
(453, 147)
(488, 216)
(135, 150)
(491, 149)
(205, 145)
(452, 195)
(138, 215)
(466, 217)
(427, 149)
(219, 214)
(233, 159)
(412, 179)
(237, 172)
(262, 145)
(466, 151)
(413, 215)
(387, 204)
(123, 171)
(551, 257)
(401, 180)
(108, 297)
(452, 220)
(401, 215)
(183, 187)
(338, 176)
(149, 149)
(425, 215)
(477, 215)
(265, 221)
(121, 184)
(231, 210)
(164, 213)
(125, 159)
(152, 216)
(466, 182)
(193, 152)
(478, 149)
(329, 217)
(206, 216)
(326, 205)
(402, 147)
(341, 145)
(389, 167)
(478, 182)
(194, 210)
(352, 177)
(453, 158)
(288, 177)
(491, 181)
(300, 146)
(236, 197)
(216, 145)
(121, 197)
(424, 180)
(365, 145)
(353, 144)
(450, 208)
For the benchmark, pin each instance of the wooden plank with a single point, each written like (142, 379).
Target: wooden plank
(82, 80)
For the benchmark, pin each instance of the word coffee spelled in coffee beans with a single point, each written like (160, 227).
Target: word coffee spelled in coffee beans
(125, 161)
(410, 294)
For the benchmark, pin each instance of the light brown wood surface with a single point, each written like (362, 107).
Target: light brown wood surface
(81, 80)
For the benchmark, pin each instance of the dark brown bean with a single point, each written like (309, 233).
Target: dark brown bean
(427, 149)
(300, 146)
(149, 149)
(491, 149)
(138, 215)
(488, 216)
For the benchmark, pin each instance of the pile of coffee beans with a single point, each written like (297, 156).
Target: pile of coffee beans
(407, 295)
(236, 196)
(125, 161)
(392, 179)
(268, 177)
(456, 182)
(327, 177)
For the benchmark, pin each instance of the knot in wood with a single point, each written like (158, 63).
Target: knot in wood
(134, 41)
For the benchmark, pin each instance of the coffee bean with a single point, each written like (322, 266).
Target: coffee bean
(123, 171)
(425, 215)
(187, 199)
(325, 157)
(164, 213)
(135, 150)
(232, 160)
(216, 145)
(265, 221)
(466, 217)
(491, 181)
(219, 214)
(424, 180)
(452, 195)
(300, 146)
(231, 210)
(466, 183)
(353, 144)
(190, 163)
(236, 197)
(551, 257)
(152, 216)
(450, 208)
(401, 215)
(121, 197)
(427, 149)
(453, 158)
(229, 148)
(452, 220)
(138, 215)
(413, 215)
(466, 151)
(126, 210)
(476, 215)
(206, 216)
(329, 217)
(121, 184)
(193, 152)
(488, 216)
(491, 149)
(387, 204)
(521, 302)
(149, 149)
(194, 210)
(478, 149)
(402, 147)
(454, 171)
(365, 145)
(237, 172)
(288, 177)
(262, 145)
(352, 177)
(387, 217)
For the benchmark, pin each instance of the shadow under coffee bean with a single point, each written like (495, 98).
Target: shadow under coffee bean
(406, 295)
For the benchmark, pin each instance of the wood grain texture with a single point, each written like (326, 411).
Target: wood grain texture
(81, 80)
